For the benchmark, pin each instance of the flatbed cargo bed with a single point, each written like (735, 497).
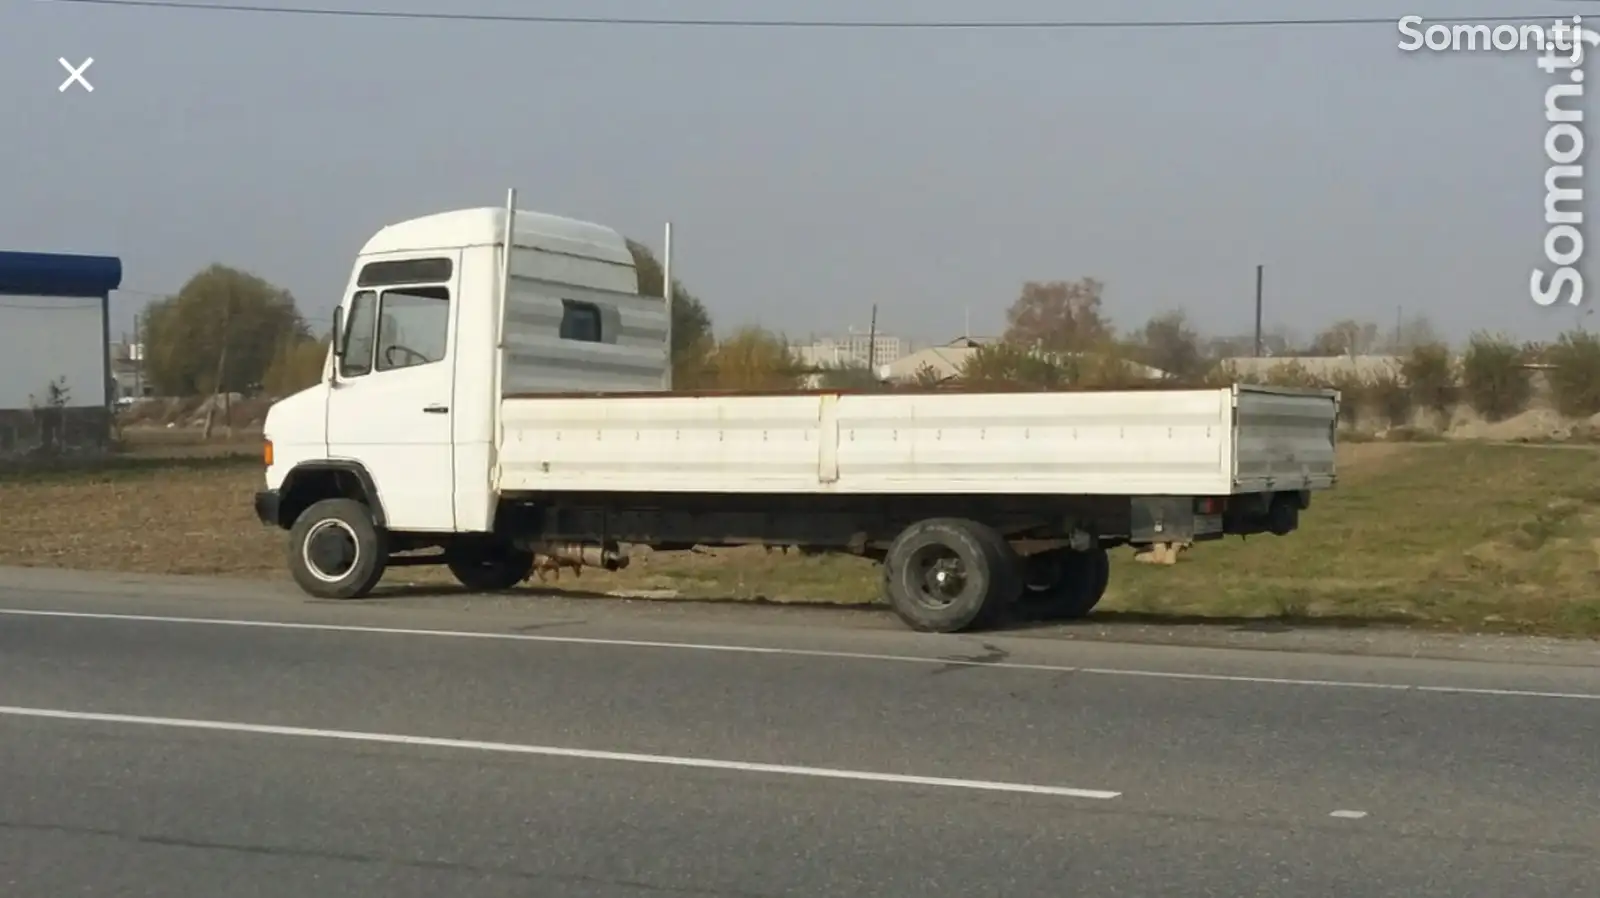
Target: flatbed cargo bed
(1207, 442)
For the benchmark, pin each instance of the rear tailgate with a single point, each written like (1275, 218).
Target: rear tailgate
(1283, 438)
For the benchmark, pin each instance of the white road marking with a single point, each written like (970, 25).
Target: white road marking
(803, 653)
(1348, 815)
(550, 751)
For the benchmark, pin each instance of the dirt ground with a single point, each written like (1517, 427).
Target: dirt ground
(1453, 535)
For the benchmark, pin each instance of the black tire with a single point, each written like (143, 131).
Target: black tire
(336, 551)
(1065, 584)
(483, 566)
(946, 575)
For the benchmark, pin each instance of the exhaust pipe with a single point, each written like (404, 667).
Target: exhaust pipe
(609, 556)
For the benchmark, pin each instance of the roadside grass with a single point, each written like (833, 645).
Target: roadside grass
(1441, 535)
(1450, 535)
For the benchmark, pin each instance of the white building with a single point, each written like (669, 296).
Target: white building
(55, 361)
(853, 350)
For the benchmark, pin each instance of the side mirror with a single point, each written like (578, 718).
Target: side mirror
(336, 344)
(337, 338)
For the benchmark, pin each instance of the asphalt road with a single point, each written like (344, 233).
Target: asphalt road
(174, 739)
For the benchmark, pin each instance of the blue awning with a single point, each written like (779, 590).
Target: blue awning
(55, 274)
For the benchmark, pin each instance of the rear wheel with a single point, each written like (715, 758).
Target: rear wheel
(487, 566)
(1065, 584)
(336, 550)
(945, 575)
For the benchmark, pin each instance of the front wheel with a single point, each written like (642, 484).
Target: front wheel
(336, 550)
(1065, 584)
(483, 566)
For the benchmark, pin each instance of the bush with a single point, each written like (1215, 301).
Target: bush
(1222, 374)
(1575, 374)
(1007, 366)
(1355, 396)
(1290, 374)
(754, 359)
(1431, 378)
(1391, 397)
(1494, 377)
(1106, 370)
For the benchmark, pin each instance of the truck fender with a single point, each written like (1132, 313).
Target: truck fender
(312, 481)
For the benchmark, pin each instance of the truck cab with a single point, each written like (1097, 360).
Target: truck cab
(408, 398)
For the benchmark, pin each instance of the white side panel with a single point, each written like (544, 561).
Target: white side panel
(666, 443)
(1285, 439)
(1172, 442)
(50, 338)
(632, 356)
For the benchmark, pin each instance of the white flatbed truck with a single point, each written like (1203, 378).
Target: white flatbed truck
(479, 407)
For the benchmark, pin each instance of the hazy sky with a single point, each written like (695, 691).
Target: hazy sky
(809, 173)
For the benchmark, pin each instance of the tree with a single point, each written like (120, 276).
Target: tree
(1495, 376)
(1012, 366)
(754, 359)
(1347, 337)
(1058, 316)
(219, 333)
(1167, 342)
(692, 338)
(296, 365)
(1413, 333)
(1429, 373)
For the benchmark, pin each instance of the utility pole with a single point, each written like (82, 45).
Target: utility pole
(872, 343)
(222, 367)
(1260, 269)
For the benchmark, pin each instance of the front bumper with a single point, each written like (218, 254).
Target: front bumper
(267, 507)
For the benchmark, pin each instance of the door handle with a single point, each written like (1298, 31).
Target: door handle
(436, 409)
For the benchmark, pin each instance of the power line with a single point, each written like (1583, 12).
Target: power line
(904, 25)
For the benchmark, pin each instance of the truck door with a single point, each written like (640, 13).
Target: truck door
(389, 407)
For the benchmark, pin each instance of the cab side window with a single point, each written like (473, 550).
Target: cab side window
(356, 359)
(413, 327)
(580, 321)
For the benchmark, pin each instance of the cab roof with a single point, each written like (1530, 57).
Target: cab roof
(486, 227)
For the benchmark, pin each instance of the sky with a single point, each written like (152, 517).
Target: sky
(811, 174)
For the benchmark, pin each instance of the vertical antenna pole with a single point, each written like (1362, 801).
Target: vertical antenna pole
(1259, 270)
(666, 300)
(508, 240)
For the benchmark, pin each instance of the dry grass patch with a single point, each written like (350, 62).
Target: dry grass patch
(1461, 536)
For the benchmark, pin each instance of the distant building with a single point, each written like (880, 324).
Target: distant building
(943, 362)
(852, 350)
(127, 370)
(56, 387)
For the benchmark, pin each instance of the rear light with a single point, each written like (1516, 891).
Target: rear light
(266, 452)
(1210, 505)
